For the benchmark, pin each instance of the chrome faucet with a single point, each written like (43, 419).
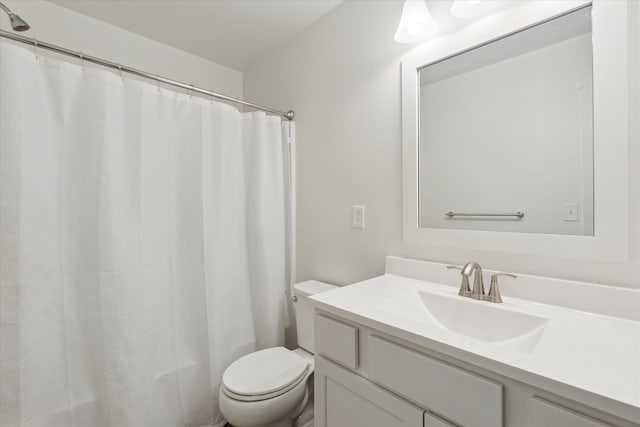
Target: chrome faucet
(478, 285)
(477, 292)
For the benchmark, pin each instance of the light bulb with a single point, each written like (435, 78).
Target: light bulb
(416, 23)
(414, 28)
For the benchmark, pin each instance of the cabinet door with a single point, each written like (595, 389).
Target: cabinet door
(546, 414)
(343, 399)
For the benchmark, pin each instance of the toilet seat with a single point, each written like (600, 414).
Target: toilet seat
(264, 375)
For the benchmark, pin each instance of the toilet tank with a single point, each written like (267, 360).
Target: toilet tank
(303, 307)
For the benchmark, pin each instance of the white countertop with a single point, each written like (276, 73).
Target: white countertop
(591, 358)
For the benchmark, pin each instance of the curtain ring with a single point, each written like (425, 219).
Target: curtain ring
(191, 91)
(120, 71)
(158, 82)
(82, 61)
(35, 48)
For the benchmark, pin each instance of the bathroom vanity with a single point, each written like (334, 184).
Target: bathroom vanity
(404, 349)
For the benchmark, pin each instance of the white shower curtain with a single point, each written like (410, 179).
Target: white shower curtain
(143, 246)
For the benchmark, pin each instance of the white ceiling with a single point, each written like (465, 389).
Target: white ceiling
(234, 33)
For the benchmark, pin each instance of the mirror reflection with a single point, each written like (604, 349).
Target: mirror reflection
(506, 133)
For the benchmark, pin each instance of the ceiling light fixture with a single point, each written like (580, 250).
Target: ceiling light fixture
(416, 23)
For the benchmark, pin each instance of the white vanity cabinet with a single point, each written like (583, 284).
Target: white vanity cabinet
(364, 377)
(397, 387)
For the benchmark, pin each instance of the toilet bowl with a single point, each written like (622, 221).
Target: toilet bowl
(272, 387)
(267, 388)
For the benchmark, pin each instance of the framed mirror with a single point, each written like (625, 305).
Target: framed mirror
(506, 133)
(515, 134)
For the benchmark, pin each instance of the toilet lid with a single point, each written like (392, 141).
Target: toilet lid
(264, 372)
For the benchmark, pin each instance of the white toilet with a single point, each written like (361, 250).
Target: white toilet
(272, 387)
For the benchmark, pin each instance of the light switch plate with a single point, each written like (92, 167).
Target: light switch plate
(357, 216)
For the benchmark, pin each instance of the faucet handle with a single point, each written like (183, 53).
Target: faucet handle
(465, 289)
(494, 290)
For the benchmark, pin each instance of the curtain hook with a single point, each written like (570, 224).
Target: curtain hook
(191, 91)
(120, 72)
(82, 61)
(158, 82)
(35, 48)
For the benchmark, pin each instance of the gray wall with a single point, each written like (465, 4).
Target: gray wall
(66, 28)
(342, 76)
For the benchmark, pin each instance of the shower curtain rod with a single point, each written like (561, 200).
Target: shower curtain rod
(289, 115)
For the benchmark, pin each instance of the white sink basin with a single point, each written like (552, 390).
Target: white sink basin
(478, 320)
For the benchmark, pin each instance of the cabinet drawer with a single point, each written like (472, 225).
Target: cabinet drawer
(458, 395)
(546, 414)
(337, 341)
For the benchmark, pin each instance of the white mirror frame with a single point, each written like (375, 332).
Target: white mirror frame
(611, 133)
